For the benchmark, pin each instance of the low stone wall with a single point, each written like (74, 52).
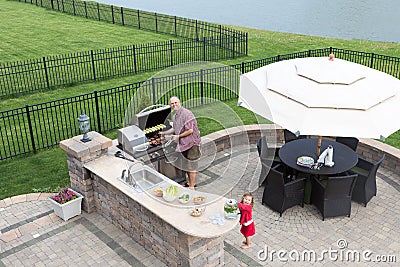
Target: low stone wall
(240, 135)
(373, 150)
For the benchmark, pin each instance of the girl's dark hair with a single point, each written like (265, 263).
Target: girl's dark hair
(248, 194)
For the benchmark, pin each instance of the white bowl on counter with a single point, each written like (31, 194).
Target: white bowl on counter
(168, 198)
(184, 198)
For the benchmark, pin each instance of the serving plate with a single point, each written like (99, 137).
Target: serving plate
(305, 161)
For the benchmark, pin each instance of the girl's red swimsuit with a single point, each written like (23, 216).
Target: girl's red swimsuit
(246, 220)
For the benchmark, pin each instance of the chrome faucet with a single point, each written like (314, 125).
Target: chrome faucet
(130, 180)
(123, 178)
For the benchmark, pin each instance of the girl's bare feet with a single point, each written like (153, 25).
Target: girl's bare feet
(245, 246)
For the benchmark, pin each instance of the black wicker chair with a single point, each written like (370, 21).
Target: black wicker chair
(268, 157)
(289, 136)
(280, 193)
(332, 196)
(365, 187)
(351, 142)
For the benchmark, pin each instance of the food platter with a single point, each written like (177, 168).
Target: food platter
(305, 161)
(197, 211)
(198, 200)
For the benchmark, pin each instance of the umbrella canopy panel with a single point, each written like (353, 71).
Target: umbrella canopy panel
(315, 96)
(321, 83)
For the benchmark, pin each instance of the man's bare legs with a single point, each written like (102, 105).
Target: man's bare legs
(192, 178)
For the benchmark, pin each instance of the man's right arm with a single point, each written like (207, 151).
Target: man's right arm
(169, 131)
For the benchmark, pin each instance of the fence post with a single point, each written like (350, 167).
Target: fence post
(171, 54)
(330, 50)
(153, 88)
(372, 60)
(197, 31)
(52, 4)
(62, 4)
(122, 16)
(220, 36)
(46, 72)
(233, 46)
(98, 10)
(155, 15)
(175, 25)
(58, 6)
(242, 67)
(204, 48)
(134, 58)
(28, 116)
(73, 6)
(247, 43)
(201, 87)
(96, 101)
(138, 18)
(86, 15)
(309, 53)
(112, 14)
(93, 65)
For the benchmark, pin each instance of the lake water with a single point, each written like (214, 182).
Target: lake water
(361, 19)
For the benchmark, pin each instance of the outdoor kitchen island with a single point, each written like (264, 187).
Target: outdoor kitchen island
(165, 229)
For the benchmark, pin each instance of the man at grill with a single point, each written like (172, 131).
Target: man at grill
(187, 136)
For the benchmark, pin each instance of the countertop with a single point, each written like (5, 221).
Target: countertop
(176, 214)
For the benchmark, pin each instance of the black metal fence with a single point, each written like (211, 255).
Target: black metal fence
(35, 127)
(205, 42)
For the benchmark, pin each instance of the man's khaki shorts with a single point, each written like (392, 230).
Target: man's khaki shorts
(190, 160)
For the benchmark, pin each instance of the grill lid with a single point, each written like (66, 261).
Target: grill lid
(152, 116)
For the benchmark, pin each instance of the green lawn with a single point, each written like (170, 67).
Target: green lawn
(44, 172)
(30, 32)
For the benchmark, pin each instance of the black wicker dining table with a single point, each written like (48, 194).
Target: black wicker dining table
(344, 158)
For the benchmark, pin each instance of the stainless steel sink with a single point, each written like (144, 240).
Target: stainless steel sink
(143, 179)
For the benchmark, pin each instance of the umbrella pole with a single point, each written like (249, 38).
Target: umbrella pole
(319, 145)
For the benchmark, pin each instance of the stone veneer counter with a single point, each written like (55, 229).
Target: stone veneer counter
(174, 213)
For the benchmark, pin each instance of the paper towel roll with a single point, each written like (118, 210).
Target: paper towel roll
(329, 157)
(323, 156)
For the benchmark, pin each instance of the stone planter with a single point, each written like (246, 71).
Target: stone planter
(67, 210)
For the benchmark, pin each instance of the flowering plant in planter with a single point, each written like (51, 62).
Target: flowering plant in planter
(64, 196)
(66, 203)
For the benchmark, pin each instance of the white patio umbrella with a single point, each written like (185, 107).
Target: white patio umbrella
(316, 96)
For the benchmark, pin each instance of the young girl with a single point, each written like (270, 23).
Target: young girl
(246, 218)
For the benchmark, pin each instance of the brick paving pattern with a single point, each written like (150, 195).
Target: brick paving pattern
(32, 235)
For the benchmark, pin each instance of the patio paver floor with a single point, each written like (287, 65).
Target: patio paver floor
(31, 234)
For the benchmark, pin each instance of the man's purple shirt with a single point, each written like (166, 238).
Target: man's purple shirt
(183, 121)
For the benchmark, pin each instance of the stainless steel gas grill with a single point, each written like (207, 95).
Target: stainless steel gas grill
(143, 136)
(152, 120)
(142, 139)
